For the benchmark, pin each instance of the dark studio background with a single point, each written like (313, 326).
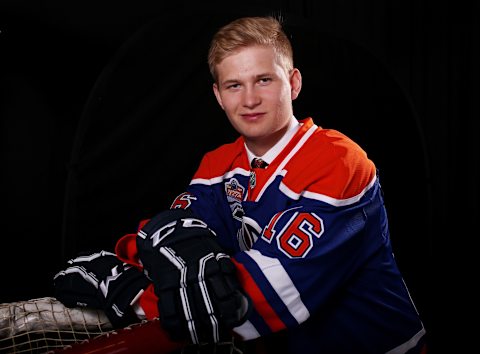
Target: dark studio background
(99, 99)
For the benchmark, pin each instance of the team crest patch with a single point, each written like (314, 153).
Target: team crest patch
(234, 190)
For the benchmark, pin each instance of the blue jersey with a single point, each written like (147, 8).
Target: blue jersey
(309, 236)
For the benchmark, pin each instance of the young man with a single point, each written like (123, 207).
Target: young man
(306, 227)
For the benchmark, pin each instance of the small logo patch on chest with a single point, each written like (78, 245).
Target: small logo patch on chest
(235, 193)
(234, 190)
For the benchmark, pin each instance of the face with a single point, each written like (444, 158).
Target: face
(256, 93)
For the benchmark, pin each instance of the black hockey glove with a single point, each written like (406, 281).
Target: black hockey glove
(199, 295)
(100, 280)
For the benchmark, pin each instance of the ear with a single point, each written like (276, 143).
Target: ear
(295, 83)
(217, 95)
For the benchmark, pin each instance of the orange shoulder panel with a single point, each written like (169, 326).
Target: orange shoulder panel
(331, 164)
(221, 160)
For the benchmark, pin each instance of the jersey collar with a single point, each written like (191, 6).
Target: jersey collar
(270, 155)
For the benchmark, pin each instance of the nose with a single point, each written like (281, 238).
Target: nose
(251, 98)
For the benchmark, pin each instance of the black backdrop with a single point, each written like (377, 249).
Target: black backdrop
(100, 99)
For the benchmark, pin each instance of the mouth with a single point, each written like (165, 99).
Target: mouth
(252, 116)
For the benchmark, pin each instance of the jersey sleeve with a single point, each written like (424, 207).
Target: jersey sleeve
(306, 254)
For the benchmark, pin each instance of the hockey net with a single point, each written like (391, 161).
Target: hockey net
(45, 325)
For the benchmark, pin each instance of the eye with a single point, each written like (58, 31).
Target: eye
(265, 80)
(233, 86)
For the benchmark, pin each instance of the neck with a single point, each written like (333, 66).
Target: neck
(261, 145)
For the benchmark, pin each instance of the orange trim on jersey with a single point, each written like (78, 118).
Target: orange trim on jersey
(126, 250)
(126, 247)
(142, 223)
(148, 301)
(261, 177)
(259, 301)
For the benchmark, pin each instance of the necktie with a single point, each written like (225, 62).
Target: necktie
(259, 163)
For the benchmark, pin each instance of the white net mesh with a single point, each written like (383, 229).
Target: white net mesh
(44, 324)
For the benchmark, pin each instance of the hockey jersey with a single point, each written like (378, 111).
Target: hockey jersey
(310, 239)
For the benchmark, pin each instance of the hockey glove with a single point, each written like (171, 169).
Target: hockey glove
(199, 295)
(100, 280)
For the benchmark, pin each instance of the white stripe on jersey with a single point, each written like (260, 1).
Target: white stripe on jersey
(325, 198)
(411, 343)
(220, 179)
(282, 284)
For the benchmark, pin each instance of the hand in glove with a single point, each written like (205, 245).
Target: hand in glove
(199, 295)
(100, 280)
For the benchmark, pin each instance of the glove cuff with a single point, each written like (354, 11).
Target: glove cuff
(122, 293)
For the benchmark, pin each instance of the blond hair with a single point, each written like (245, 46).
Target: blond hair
(250, 31)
